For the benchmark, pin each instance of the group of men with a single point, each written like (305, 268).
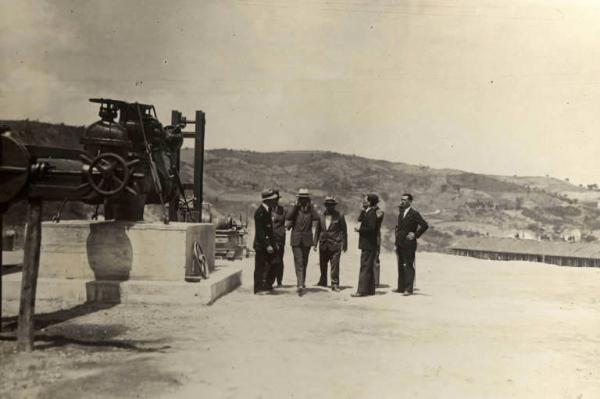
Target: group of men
(271, 220)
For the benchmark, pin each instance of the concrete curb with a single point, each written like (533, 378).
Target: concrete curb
(75, 291)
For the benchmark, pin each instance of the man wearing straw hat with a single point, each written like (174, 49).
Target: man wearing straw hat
(264, 242)
(332, 235)
(300, 220)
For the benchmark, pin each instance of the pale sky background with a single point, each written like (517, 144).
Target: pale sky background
(502, 87)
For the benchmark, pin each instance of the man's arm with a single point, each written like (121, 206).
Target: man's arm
(344, 229)
(422, 225)
(290, 217)
(260, 232)
(317, 232)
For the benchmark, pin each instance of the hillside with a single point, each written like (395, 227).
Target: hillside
(456, 203)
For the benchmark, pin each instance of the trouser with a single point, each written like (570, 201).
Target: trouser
(276, 267)
(261, 268)
(327, 255)
(366, 278)
(300, 262)
(377, 267)
(406, 269)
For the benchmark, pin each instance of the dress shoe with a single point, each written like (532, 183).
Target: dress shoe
(335, 288)
(398, 291)
(358, 295)
(300, 291)
(407, 293)
(321, 284)
(279, 285)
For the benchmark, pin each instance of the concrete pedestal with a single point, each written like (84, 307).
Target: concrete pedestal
(125, 262)
(122, 250)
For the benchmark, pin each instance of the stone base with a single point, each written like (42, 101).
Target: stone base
(109, 250)
(70, 292)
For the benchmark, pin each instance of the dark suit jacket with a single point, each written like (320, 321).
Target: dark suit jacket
(380, 215)
(263, 228)
(334, 238)
(301, 224)
(278, 216)
(368, 231)
(413, 222)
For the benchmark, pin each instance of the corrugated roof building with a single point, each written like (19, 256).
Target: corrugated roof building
(553, 252)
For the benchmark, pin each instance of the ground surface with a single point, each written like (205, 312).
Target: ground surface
(475, 329)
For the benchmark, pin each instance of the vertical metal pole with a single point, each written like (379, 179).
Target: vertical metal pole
(199, 163)
(31, 265)
(174, 203)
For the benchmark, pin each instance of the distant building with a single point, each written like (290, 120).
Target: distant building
(552, 252)
(572, 235)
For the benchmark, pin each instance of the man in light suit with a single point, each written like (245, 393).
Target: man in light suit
(300, 220)
(332, 235)
(410, 227)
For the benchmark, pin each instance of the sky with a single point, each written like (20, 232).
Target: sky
(501, 87)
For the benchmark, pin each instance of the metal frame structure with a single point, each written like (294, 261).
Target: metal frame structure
(198, 186)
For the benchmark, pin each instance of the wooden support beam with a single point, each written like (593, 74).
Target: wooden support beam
(31, 264)
(199, 164)
(1, 270)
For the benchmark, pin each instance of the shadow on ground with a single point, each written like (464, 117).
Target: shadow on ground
(44, 320)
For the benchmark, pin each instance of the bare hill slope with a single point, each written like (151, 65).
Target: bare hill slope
(456, 203)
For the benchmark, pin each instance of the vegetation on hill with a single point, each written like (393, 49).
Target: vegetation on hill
(456, 203)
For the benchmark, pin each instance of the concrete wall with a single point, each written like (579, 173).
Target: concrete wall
(112, 250)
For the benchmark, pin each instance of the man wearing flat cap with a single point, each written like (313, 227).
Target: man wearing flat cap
(332, 235)
(411, 226)
(368, 231)
(264, 242)
(300, 220)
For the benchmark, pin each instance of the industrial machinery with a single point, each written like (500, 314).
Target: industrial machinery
(127, 159)
(230, 241)
(123, 164)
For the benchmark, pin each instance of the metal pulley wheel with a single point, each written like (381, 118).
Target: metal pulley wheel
(14, 167)
(108, 174)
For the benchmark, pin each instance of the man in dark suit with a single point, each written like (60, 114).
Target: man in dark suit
(278, 218)
(367, 243)
(332, 235)
(410, 227)
(264, 243)
(380, 214)
(300, 220)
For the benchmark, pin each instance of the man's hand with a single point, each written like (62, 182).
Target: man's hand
(269, 249)
(315, 248)
(344, 249)
(410, 236)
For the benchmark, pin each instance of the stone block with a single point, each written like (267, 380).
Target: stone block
(119, 251)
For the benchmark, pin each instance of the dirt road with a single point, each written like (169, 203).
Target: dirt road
(475, 329)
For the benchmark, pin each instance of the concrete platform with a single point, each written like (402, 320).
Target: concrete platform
(70, 292)
(110, 250)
